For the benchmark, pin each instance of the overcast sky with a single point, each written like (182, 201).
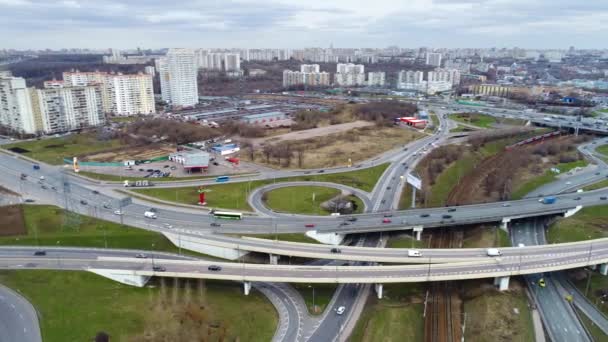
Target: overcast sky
(299, 23)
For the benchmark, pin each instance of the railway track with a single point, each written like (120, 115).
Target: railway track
(443, 305)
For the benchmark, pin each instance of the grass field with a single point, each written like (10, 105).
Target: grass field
(396, 317)
(603, 150)
(478, 120)
(234, 195)
(589, 223)
(74, 306)
(52, 151)
(597, 185)
(405, 241)
(461, 128)
(115, 178)
(322, 295)
(498, 316)
(299, 200)
(546, 178)
(294, 237)
(449, 178)
(51, 226)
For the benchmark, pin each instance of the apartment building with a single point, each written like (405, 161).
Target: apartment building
(313, 79)
(444, 75)
(15, 105)
(376, 79)
(349, 75)
(178, 74)
(433, 58)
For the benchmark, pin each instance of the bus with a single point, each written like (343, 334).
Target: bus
(222, 179)
(228, 215)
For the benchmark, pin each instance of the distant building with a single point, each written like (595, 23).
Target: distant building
(491, 90)
(191, 159)
(178, 75)
(445, 75)
(264, 119)
(150, 70)
(16, 110)
(349, 75)
(310, 68)
(312, 79)
(433, 58)
(376, 79)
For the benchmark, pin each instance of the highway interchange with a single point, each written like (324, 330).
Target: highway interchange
(382, 199)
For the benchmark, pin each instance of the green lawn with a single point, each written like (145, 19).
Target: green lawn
(51, 226)
(588, 223)
(74, 306)
(448, 179)
(322, 295)
(478, 120)
(546, 178)
(461, 128)
(234, 195)
(294, 237)
(396, 317)
(597, 185)
(598, 283)
(603, 150)
(52, 151)
(115, 178)
(299, 200)
(596, 333)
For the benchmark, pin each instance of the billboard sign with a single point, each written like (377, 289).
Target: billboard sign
(414, 181)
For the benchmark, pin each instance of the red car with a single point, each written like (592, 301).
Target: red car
(386, 220)
(309, 225)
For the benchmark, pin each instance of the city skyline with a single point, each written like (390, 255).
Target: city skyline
(293, 24)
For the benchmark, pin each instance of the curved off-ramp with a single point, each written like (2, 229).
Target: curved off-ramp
(257, 203)
(18, 318)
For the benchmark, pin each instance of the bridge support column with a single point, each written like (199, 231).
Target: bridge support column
(505, 224)
(573, 211)
(378, 288)
(418, 230)
(246, 288)
(274, 259)
(604, 269)
(593, 267)
(502, 283)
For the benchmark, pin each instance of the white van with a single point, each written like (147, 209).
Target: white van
(414, 253)
(493, 252)
(150, 214)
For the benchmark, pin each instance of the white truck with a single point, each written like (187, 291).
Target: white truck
(150, 214)
(412, 253)
(493, 252)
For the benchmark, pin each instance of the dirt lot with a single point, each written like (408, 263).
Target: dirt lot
(13, 222)
(358, 144)
(312, 133)
(131, 153)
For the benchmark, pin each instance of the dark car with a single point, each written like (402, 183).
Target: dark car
(344, 223)
(214, 268)
(351, 219)
(83, 202)
(578, 198)
(215, 224)
(320, 171)
(446, 216)
(603, 198)
(425, 215)
(142, 170)
(44, 187)
(216, 163)
(95, 192)
(335, 250)
(29, 200)
(107, 206)
(150, 170)
(388, 215)
(158, 269)
(388, 188)
(40, 253)
(451, 210)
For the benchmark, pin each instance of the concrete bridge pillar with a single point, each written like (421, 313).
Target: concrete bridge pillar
(604, 269)
(326, 238)
(378, 288)
(593, 267)
(247, 287)
(502, 283)
(505, 224)
(418, 230)
(274, 259)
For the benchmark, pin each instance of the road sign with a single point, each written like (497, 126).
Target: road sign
(414, 181)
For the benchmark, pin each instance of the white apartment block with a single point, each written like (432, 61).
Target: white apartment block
(16, 110)
(310, 68)
(228, 62)
(121, 94)
(130, 94)
(313, 79)
(376, 79)
(68, 108)
(178, 75)
(433, 58)
(150, 70)
(232, 62)
(445, 75)
(410, 76)
(349, 75)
